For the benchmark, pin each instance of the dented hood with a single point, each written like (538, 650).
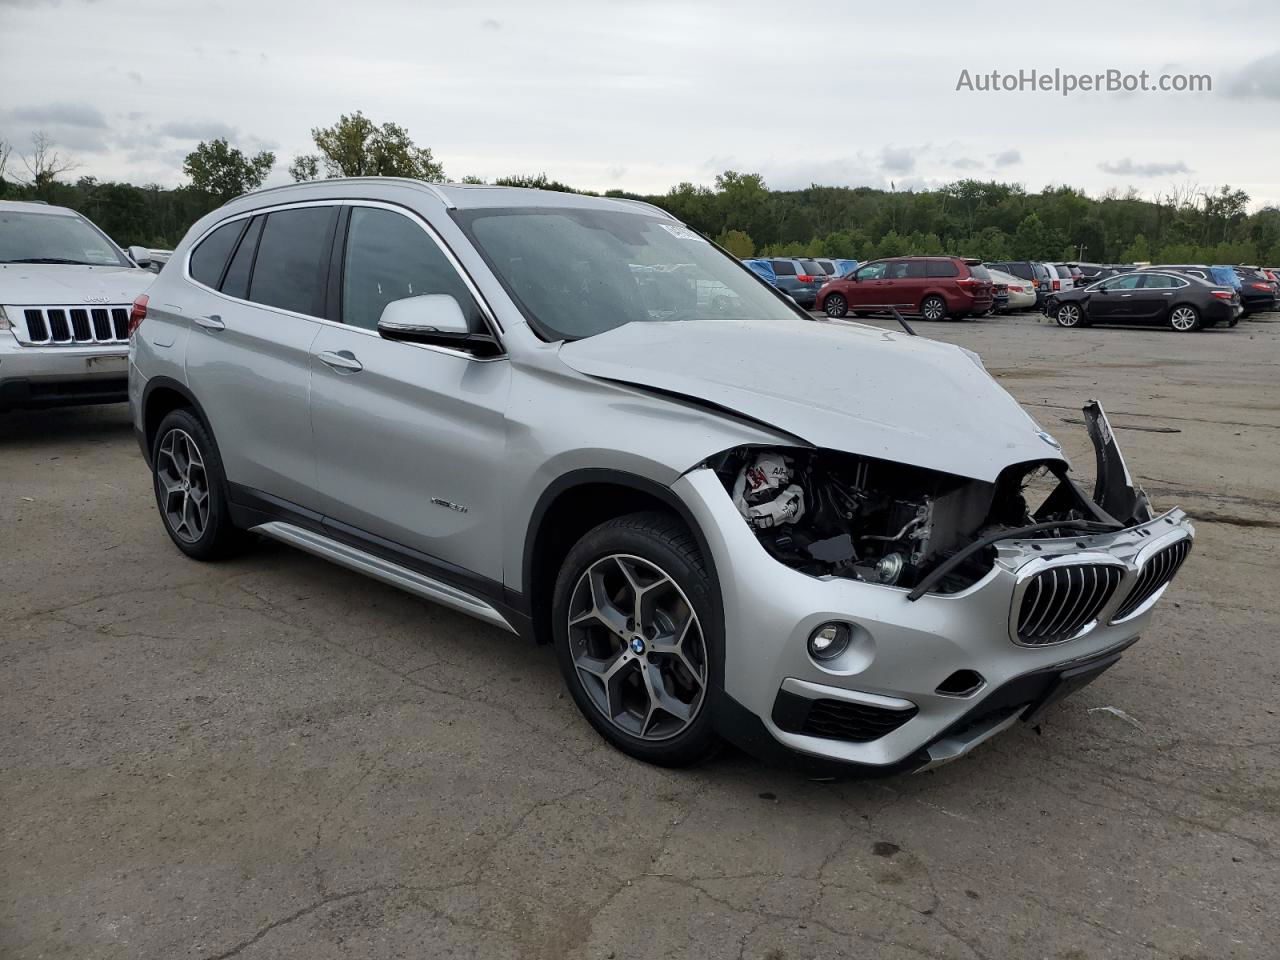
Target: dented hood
(839, 386)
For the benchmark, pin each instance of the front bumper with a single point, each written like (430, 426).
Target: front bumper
(61, 375)
(902, 651)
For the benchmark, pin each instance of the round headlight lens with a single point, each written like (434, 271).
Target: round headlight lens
(828, 641)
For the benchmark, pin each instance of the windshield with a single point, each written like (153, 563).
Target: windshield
(576, 273)
(52, 238)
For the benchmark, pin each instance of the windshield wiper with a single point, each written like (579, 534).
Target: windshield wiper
(78, 263)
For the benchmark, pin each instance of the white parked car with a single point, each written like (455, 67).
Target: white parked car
(1022, 295)
(65, 295)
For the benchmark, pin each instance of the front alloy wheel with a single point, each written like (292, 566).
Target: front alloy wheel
(638, 647)
(836, 306)
(1068, 315)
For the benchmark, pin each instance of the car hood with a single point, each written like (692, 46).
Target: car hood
(48, 284)
(835, 385)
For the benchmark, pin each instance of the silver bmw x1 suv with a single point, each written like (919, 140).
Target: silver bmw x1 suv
(578, 420)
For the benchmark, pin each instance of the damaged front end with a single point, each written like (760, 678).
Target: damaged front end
(834, 514)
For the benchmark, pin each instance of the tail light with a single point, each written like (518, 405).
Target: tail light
(138, 313)
(1057, 285)
(1016, 289)
(807, 278)
(1260, 286)
(1224, 294)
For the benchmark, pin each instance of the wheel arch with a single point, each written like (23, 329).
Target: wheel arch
(575, 503)
(160, 397)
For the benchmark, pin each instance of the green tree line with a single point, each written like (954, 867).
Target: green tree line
(985, 219)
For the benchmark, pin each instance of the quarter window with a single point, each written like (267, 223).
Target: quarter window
(390, 257)
(289, 270)
(210, 256)
(236, 282)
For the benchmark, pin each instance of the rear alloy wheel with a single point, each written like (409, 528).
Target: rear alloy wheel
(836, 306)
(1068, 315)
(191, 490)
(1184, 319)
(636, 635)
(933, 308)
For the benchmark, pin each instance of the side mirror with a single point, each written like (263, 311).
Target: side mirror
(140, 255)
(432, 318)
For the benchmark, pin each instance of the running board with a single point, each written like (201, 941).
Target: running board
(390, 573)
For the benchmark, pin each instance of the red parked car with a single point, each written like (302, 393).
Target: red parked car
(933, 287)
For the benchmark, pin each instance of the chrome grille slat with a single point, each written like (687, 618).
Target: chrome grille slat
(1060, 601)
(1158, 571)
(73, 326)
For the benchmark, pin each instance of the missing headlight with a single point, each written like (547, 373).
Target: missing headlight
(827, 513)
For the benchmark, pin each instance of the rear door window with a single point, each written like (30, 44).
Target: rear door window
(896, 270)
(293, 254)
(209, 258)
(947, 268)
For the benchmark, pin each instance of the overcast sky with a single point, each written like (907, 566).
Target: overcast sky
(642, 95)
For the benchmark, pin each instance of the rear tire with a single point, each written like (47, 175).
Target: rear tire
(1184, 318)
(191, 489)
(835, 306)
(933, 308)
(639, 637)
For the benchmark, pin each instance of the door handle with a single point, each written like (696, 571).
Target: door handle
(211, 322)
(1126, 295)
(343, 361)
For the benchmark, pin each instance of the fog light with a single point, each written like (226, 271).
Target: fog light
(828, 641)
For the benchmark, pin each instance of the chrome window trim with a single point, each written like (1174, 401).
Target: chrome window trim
(485, 310)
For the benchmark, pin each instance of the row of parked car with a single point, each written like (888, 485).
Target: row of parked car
(1182, 296)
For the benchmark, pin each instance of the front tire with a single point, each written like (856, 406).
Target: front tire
(933, 308)
(835, 306)
(1184, 318)
(191, 489)
(1069, 315)
(638, 637)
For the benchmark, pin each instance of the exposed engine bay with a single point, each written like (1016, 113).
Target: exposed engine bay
(828, 513)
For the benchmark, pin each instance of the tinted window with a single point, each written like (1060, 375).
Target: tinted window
(1040, 270)
(896, 270)
(1129, 281)
(1160, 281)
(210, 255)
(872, 271)
(811, 267)
(390, 257)
(946, 268)
(236, 282)
(828, 267)
(784, 268)
(1022, 269)
(292, 255)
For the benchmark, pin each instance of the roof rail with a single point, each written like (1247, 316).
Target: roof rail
(429, 187)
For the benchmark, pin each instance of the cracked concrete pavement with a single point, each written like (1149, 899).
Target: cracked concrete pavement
(273, 757)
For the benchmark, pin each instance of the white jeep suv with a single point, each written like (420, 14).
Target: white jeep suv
(65, 295)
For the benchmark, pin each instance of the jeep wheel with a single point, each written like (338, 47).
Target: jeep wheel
(637, 635)
(836, 306)
(933, 308)
(191, 489)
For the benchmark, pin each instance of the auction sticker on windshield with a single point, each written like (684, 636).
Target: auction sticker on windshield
(682, 233)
